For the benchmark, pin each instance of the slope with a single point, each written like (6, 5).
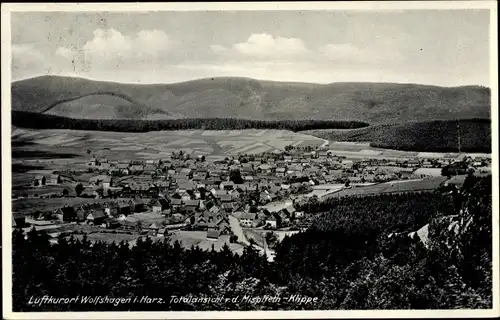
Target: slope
(430, 136)
(376, 103)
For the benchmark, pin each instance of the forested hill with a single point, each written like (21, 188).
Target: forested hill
(374, 103)
(429, 136)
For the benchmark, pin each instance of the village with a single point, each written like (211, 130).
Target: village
(235, 200)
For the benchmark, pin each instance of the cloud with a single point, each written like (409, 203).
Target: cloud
(111, 46)
(265, 45)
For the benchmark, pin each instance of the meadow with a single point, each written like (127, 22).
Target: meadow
(154, 145)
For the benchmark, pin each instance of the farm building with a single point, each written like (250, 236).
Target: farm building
(96, 216)
(227, 185)
(213, 231)
(158, 205)
(247, 219)
(101, 180)
(39, 180)
(54, 179)
(65, 214)
(271, 221)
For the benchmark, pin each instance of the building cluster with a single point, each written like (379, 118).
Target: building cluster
(200, 195)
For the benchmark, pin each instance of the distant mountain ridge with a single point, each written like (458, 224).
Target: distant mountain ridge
(375, 103)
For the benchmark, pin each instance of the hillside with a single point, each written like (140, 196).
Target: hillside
(376, 103)
(430, 136)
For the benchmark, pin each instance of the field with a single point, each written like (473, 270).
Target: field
(392, 187)
(152, 145)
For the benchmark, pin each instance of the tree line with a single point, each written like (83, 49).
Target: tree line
(45, 121)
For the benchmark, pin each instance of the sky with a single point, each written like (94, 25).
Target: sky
(437, 47)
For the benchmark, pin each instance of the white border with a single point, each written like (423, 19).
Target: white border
(243, 6)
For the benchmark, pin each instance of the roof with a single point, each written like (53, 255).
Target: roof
(97, 213)
(213, 234)
(191, 203)
(176, 201)
(271, 218)
(247, 216)
(39, 177)
(122, 205)
(186, 185)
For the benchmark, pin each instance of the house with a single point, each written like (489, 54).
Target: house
(161, 232)
(224, 198)
(137, 205)
(95, 216)
(223, 224)
(158, 205)
(111, 209)
(94, 162)
(81, 213)
(235, 194)
(227, 185)
(54, 179)
(123, 208)
(354, 179)
(230, 206)
(136, 168)
(413, 163)
(65, 214)
(185, 186)
(289, 211)
(176, 204)
(247, 219)
(406, 173)
(271, 221)
(105, 164)
(18, 220)
(264, 197)
(191, 205)
(101, 181)
(185, 196)
(213, 231)
(280, 172)
(282, 218)
(38, 181)
(265, 168)
(150, 168)
(112, 223)
(298, 214)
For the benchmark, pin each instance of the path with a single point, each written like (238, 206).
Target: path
(238, 231)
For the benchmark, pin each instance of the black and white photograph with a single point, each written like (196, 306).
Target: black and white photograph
(267, 159)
